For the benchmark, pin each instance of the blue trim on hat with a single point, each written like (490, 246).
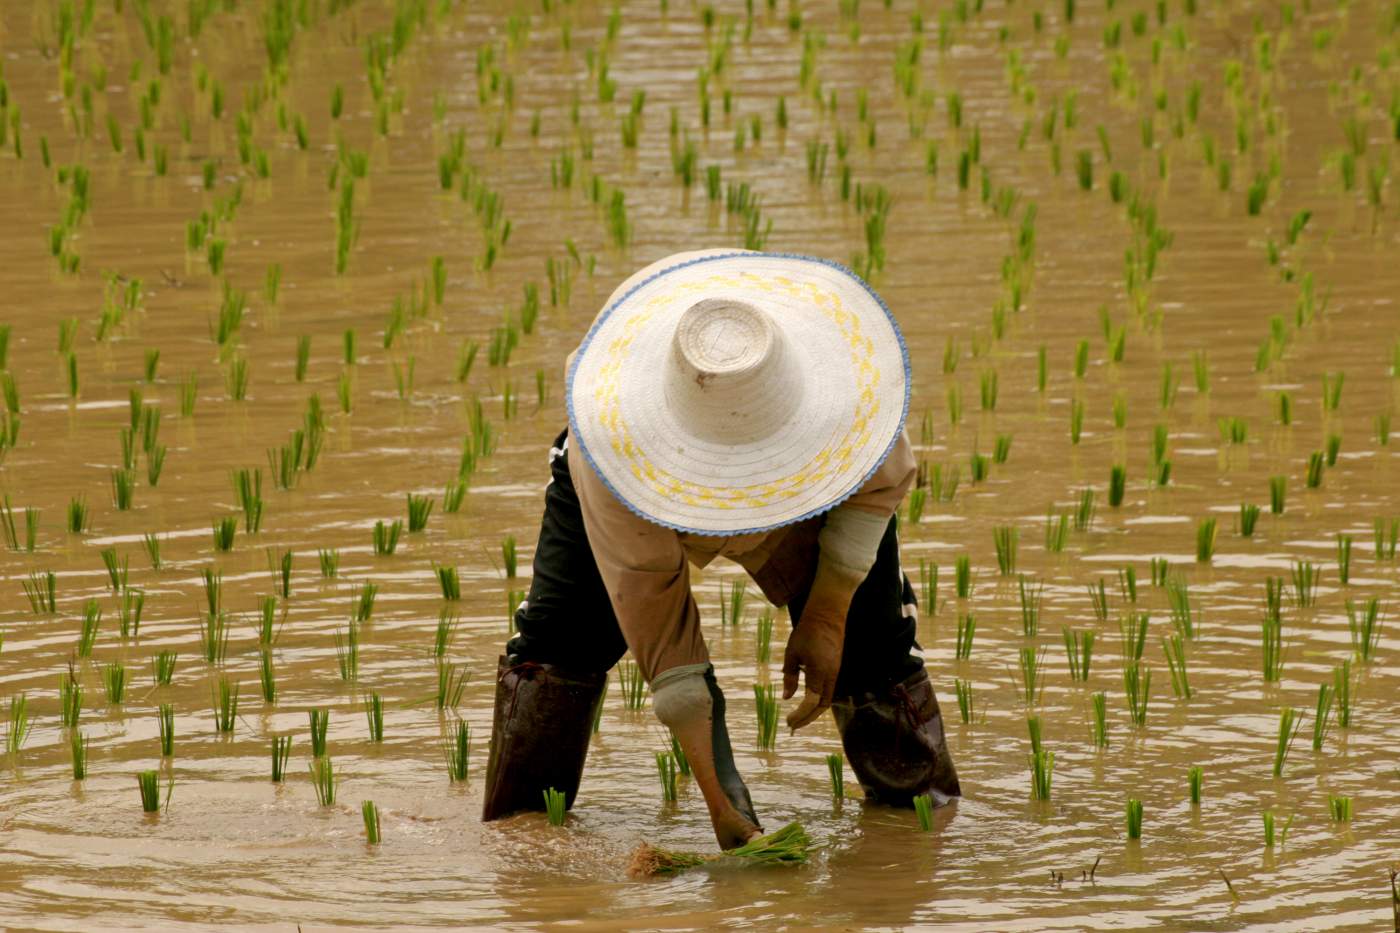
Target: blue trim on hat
(576, 435)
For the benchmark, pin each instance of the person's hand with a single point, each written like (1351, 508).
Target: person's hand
(814, 648)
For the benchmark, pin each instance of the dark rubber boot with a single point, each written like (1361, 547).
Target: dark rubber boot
(539, 735)
(894, 742)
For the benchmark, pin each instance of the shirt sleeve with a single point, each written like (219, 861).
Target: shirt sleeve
(644, 568)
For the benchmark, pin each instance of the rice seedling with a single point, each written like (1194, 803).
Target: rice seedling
(1344, 545)
(766, 710)
(666, 771)
(362, 607)
(281, 751)
(508, 556)
(1313, 477)
(163, 668)
(915, 509)
(963, 690)
(78, 754)
(148, 783)
(236, 378)
(1030, 606)
(1134, 818)
(1056, 532)
(763, 637)
(213, 637)
(151, 542)
(1076, 420)
(451, 683)
(1030, 662)
(247, 492)
(788, 846)
(77, 515)
(1079, 650)
(732, 599)
(1234, 430)
(324, 781)
(1137, 687)
(87, 633)
(419, 508)
(1099, 724)
(1175, 650)
(225, 528)
(114, 682)
(1333, 448)
(189, 394)
(165, 715)
(1386, 534)
(1084, 512)
(1306, 576)
(1365, 628)
(123, 488)
(1132, 629)
(1339, 808)
(1194, 776)
(1269, 834)
(1271, 642)
(319, 721)
(1205, 540)
(347, 652)
(928, 586)
(225, 699)
(967, 628)
(18, 727)
(1127, 583)
(962, 576)
(923, 810)
(1117, 482)
(1332, 390)
(70, 698)
(41, 591)
(1042, 772)
(1322, 715)
(1382, 428)
(1005, 538)
(1249, 516)
(453, 496)
(1098, 598)
(279, 565)
(370, 813)
(329, 560)
(386, 537)
(72, 368)
(988, 387)
(1278, 491)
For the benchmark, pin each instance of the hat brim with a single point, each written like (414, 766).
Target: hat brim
(854, 398)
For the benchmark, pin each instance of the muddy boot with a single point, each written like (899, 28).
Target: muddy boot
(539, 735)
(894, 742)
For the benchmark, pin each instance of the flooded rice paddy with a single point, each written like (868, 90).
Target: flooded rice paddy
(1158, 237)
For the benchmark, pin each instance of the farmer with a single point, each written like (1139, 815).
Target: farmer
(725, 404)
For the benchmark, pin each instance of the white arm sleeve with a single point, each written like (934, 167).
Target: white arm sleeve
(851, 537)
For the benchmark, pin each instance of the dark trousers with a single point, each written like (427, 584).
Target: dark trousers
(567, 618)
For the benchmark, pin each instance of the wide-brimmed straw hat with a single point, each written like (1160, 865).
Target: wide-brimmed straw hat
(735, 393)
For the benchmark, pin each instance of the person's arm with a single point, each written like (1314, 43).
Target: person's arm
(846, 548)
(643, 566)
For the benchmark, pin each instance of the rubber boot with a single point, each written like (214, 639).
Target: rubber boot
(895, 745)
(539, 735)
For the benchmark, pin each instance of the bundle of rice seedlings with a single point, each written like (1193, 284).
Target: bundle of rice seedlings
(788, 846)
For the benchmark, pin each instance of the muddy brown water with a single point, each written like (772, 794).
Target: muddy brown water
(233, 848)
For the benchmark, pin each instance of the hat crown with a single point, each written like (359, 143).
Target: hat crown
(728, 372)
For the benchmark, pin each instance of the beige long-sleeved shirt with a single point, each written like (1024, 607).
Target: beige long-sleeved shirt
(645, 566)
